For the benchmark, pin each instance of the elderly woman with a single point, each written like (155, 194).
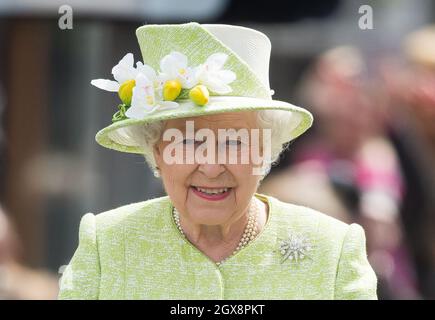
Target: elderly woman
(200, 111)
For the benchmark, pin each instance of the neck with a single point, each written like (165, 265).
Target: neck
(227, 233)
(215, 235)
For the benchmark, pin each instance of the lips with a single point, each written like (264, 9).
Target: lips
(212, 190)
(212, 194)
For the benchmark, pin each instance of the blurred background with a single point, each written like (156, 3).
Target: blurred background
(365, 69)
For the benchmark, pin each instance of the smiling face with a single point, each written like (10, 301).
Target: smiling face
(210, 193)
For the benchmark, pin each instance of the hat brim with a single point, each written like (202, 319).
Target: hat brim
(113, 137)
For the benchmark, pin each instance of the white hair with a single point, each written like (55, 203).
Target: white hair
(280, 122)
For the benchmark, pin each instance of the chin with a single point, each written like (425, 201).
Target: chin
(208, 216)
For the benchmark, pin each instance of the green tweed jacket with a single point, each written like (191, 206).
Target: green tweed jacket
(137, 252)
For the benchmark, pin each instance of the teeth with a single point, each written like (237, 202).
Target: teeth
(212, 191)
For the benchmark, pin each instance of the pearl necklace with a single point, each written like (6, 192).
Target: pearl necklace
(251, 229)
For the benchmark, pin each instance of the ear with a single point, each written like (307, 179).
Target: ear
(157, 152)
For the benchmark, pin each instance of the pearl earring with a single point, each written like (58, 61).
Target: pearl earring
(156, 172)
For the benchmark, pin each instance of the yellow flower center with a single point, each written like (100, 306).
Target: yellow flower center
(150, 100)
(125, 91)
(199, 94)
(171, 90)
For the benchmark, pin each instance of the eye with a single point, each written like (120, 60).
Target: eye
(188, 141)
(191, 142)
(233, 142)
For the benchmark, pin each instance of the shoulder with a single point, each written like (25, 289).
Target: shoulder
(129, 214)
(339, 248)
(304, 215)
(328, 232)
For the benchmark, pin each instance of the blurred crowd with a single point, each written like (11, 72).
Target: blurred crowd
(368, 159)
(17, 281)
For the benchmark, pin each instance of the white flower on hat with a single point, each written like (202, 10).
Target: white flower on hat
(211, 74)
(146, 99)
(122, 72)
(174, 67)
(158, 80)
(125, 74)
(142, 90)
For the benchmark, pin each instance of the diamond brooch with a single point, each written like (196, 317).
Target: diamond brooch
(294, 248)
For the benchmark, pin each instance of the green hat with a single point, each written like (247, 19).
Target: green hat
(192, 70)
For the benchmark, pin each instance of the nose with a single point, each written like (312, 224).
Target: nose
(211, 170)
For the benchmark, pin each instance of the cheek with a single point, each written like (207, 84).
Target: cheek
(245, 179)
(176, 177)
